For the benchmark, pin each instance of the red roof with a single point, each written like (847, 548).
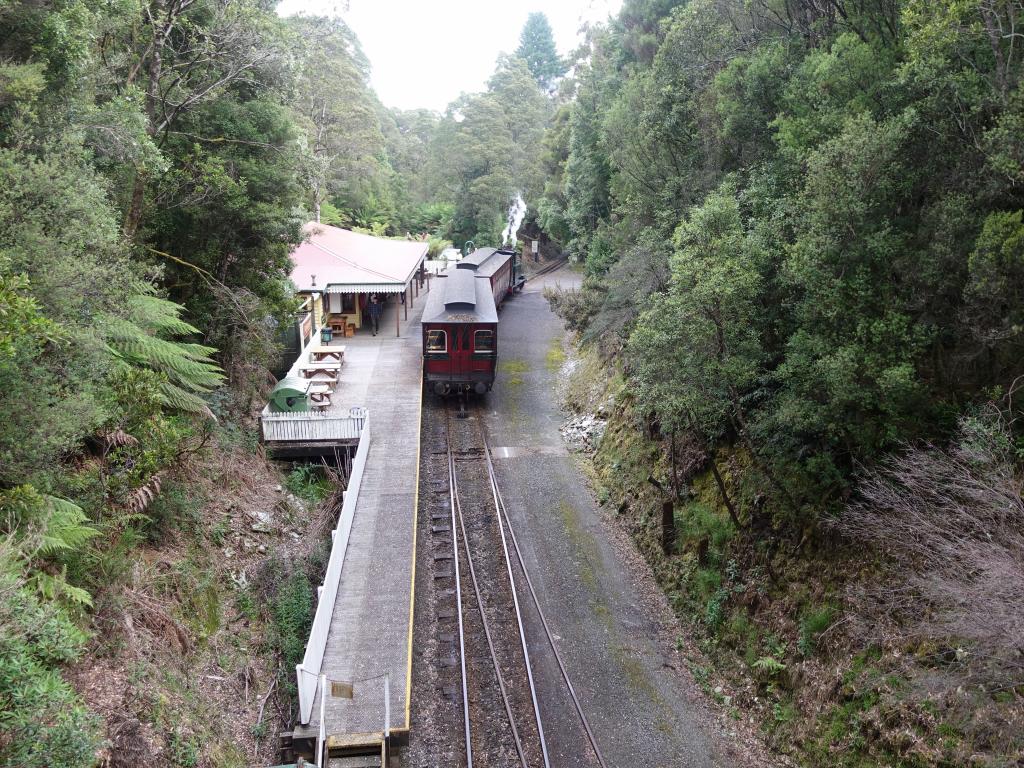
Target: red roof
(346, 260)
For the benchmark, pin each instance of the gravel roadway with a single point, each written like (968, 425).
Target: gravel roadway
(614, 629)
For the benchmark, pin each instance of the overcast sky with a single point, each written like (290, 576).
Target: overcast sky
(425, 53)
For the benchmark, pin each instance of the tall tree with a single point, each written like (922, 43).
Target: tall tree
(339, 114)
(527, 114)
(876, 156)
(482, 154)
(537, 49)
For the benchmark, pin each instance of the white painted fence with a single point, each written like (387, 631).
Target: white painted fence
(308, 672)
(309, 426)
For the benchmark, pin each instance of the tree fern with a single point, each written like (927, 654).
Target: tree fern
(55, 587)
(179, 399)
(43, 528)
(146, 339)
(64, 528)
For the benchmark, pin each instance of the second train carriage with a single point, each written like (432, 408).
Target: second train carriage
(460, 321)
(498, 266)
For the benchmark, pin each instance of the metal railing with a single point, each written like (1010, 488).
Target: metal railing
(308, 671)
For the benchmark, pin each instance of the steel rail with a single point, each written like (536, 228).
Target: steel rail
(503, 513)
(458, 600)
(515, 598)
(487, 630)
(549, 268)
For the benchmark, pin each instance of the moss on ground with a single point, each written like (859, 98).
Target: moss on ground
(582, 543)
(555, 357)
(513, 372)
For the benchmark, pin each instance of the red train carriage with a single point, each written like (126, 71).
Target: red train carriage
(498, 266)
(460, 322)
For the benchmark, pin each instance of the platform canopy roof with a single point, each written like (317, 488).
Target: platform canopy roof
(334, 260)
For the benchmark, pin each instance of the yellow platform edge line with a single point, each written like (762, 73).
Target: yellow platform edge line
(415, 523)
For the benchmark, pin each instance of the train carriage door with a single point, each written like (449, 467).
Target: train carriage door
(458, 350)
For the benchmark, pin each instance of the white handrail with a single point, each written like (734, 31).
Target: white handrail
(307, 673)
(321, 756)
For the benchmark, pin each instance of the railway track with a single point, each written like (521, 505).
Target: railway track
(489, 712)
(549, 268)
(495, 644)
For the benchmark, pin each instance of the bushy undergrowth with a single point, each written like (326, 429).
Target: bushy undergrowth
(847, 650)
(310, 482)
(951, 520)
(293, 615)
(42, 721)
(287, 594)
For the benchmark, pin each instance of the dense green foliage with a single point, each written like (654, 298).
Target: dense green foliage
(802, 226)
(40, 719)
(800, 230)
(157, 161)
(487, 148)
(800, 222)
(455, 175)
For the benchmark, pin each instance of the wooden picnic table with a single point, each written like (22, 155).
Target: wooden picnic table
(322, 354)
(321, 393)
(328, 369)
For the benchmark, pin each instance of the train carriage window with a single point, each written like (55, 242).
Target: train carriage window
(483, 341)
(437, 341)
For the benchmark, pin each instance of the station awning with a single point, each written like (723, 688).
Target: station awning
(366, 288)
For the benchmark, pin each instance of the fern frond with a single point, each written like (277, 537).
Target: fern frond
(118, 438)
(179, 399)
(171, 358)
(198, 351)
(160, 316)
(769, 665)
(140, 499)
(63, 527)
(55, 587)
(143, 342)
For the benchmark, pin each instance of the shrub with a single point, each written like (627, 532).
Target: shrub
(292, 613)
(714, 611)
(42, 720)
(309, 482)
(812, 624)
(701, 523)
(183, 751)
(575, 307)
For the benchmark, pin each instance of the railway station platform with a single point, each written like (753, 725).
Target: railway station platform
(362, 628)
(353, 387)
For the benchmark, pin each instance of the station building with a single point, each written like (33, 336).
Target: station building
(330, 372)
(336, 272)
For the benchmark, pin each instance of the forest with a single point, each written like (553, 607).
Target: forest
(801, 229)
(157, 162)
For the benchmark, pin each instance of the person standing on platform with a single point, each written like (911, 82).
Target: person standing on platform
(376, 309)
